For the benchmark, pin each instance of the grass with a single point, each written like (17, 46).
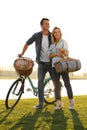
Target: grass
(24, 117)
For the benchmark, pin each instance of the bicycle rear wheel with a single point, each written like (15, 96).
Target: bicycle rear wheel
(49, 95)
(14, 94)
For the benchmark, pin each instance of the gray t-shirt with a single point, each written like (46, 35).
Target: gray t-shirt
(44, 57)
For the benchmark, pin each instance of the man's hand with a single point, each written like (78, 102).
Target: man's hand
(20, 55)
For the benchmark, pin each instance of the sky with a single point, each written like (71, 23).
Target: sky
(19, 19)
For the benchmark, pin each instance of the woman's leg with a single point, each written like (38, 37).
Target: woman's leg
(55, 78)
(68, 86)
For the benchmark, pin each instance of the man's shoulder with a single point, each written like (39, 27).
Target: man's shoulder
(38, 33)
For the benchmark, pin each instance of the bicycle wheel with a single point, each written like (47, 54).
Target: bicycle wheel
(49, 96)
(14, 94)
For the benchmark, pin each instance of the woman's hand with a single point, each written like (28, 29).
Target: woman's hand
(52, 55)
(64, 53)
(55, 55)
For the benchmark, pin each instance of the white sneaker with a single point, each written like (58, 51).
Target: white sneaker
(59, 105)
(71, 104)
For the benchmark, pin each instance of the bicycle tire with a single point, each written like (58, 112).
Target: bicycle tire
(49, 96)
(13, 97)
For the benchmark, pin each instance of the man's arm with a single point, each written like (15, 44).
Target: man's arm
(23, 51)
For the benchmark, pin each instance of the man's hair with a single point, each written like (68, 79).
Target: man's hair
(41, 22)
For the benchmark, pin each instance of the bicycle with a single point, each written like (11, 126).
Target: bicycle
(17, 89)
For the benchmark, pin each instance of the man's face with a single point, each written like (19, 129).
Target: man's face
(45, 26)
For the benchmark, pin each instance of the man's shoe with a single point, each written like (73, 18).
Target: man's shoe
(39, 105)
(71, 104)
(59, 105)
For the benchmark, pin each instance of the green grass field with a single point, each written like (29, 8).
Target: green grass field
(24, 117)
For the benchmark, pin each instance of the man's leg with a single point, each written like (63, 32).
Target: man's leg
(41, 76)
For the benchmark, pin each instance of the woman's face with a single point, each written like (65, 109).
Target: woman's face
(57, 34)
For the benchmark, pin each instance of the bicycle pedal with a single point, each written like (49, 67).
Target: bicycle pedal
(16, 94)
(28, 89)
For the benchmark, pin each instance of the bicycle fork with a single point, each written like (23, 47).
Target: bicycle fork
(22, 80)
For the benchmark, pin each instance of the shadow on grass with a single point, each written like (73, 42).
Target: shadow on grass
(28, 121)
(59, 120)
(42, 119)
(6, 115)
(76, 121)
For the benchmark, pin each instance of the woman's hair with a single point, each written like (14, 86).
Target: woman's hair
(53, 38)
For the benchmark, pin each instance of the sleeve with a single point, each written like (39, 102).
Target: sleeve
(66, 45)
(50, 50)
(31, 39)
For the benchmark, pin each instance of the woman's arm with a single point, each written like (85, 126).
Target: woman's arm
(55, 55)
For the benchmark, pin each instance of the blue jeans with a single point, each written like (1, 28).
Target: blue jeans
(65, 77)
(43, 68)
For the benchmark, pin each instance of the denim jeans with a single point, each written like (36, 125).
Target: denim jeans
(43, 68)
(65, 77)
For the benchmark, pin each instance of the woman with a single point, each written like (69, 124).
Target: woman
(57, 51)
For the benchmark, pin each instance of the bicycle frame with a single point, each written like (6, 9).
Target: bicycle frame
(35, 89)
(17, 89)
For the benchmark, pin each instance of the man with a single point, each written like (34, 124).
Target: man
(42, 41)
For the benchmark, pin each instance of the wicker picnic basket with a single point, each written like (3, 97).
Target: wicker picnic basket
(23, 66)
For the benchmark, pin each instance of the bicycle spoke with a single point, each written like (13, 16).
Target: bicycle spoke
(49, 96)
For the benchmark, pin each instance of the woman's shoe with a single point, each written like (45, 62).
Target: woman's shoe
(59, 105)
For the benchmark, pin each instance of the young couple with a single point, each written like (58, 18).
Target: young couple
(48, 50)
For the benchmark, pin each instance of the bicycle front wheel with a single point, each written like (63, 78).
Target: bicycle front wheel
(49, 96)
(14, 94)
